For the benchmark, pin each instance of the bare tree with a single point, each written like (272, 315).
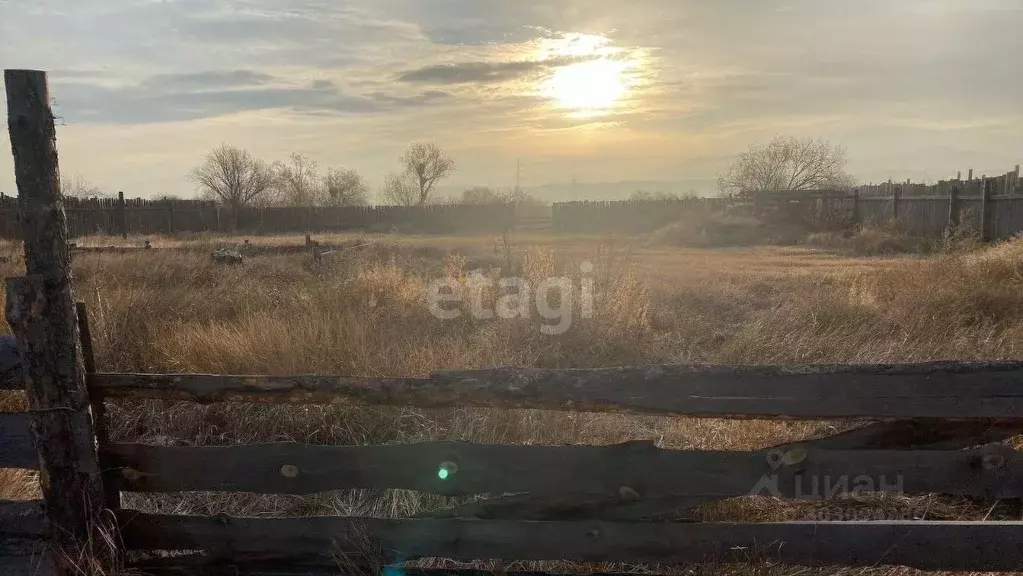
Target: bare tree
(345, 187)
(76, 186)
(425, 164)
(233, 177)
(297, 181)
(400, 189)
(787, 163)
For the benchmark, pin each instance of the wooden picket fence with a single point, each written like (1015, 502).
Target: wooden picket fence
(941, 429)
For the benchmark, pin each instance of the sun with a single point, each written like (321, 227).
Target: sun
(588, 86)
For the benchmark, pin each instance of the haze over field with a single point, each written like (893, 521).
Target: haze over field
(591, 91)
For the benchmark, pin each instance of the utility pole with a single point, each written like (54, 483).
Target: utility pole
(518, 177)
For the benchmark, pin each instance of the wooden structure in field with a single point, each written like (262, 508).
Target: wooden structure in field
(938, 428)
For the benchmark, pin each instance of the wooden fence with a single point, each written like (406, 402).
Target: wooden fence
(628, 216)
(942, 430)
(991, 206)
(125, 216)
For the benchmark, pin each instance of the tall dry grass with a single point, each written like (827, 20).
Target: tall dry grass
(363, 312)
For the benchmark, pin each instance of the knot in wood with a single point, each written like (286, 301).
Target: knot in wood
(593, 534)
(627, 494)
(130, 474)
(289, 471)
(793, 456)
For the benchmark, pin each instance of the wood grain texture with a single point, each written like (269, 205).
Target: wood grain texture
(636, 469)
(41, 313)
(199, 565)
(898, 435)
(23, 519)
(926, 545)
(38, 564)
(16, 447)
(954, 390)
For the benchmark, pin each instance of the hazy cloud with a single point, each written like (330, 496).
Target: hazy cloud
(207, 80)
(483, 72)
(182, 97)
(904, 85)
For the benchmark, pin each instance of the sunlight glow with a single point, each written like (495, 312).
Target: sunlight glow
(595, 84)
(587, 86)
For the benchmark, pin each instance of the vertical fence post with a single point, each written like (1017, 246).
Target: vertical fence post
(41, 312)
(122, 217)
(855, 209)
(170, 217)
(985, 210)
(895, 203)
(111, 493)
(953, 209)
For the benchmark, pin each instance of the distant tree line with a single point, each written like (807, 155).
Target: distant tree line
(235, 178)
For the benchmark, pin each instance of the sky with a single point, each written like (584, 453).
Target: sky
(592, 91)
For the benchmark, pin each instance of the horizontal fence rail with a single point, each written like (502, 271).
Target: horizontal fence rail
(954, 390)
(638, 469)
(17, 449)
(919, 544)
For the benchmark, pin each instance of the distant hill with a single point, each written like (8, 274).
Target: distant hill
(567, 191)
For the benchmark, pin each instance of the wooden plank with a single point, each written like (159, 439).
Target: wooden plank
(16, 447)
(38, 564)
(200, 565)
(900, 435)
(13, 383)
(23, 519)
(918, 435)
(111, 495)
(954, 390)
(926, 545)
(41, 313)
(632, 470)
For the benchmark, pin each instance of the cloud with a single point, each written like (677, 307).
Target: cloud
(191, 96)
(483, 72)
(207, 80)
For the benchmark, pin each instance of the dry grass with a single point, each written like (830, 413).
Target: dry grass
(363, 312)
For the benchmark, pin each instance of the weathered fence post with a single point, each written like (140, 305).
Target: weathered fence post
(985, 210)
(953, 209)
(855, 208)
(895, 202)
(41, 312)
(122, 216)
(170, 217)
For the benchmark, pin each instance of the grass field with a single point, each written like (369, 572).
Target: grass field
(363, 311)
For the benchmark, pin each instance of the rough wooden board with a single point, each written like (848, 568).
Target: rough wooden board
(953, 390)
(28, 565)
(899, 435)
(921, 435)
(22, 518)
(17, 450)
(636, 469)
(41, 313)
(926, 545)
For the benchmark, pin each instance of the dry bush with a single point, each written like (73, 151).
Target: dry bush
(891, 239)
(709, 229)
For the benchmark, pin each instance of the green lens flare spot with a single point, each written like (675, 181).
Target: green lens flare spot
(446, 469)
